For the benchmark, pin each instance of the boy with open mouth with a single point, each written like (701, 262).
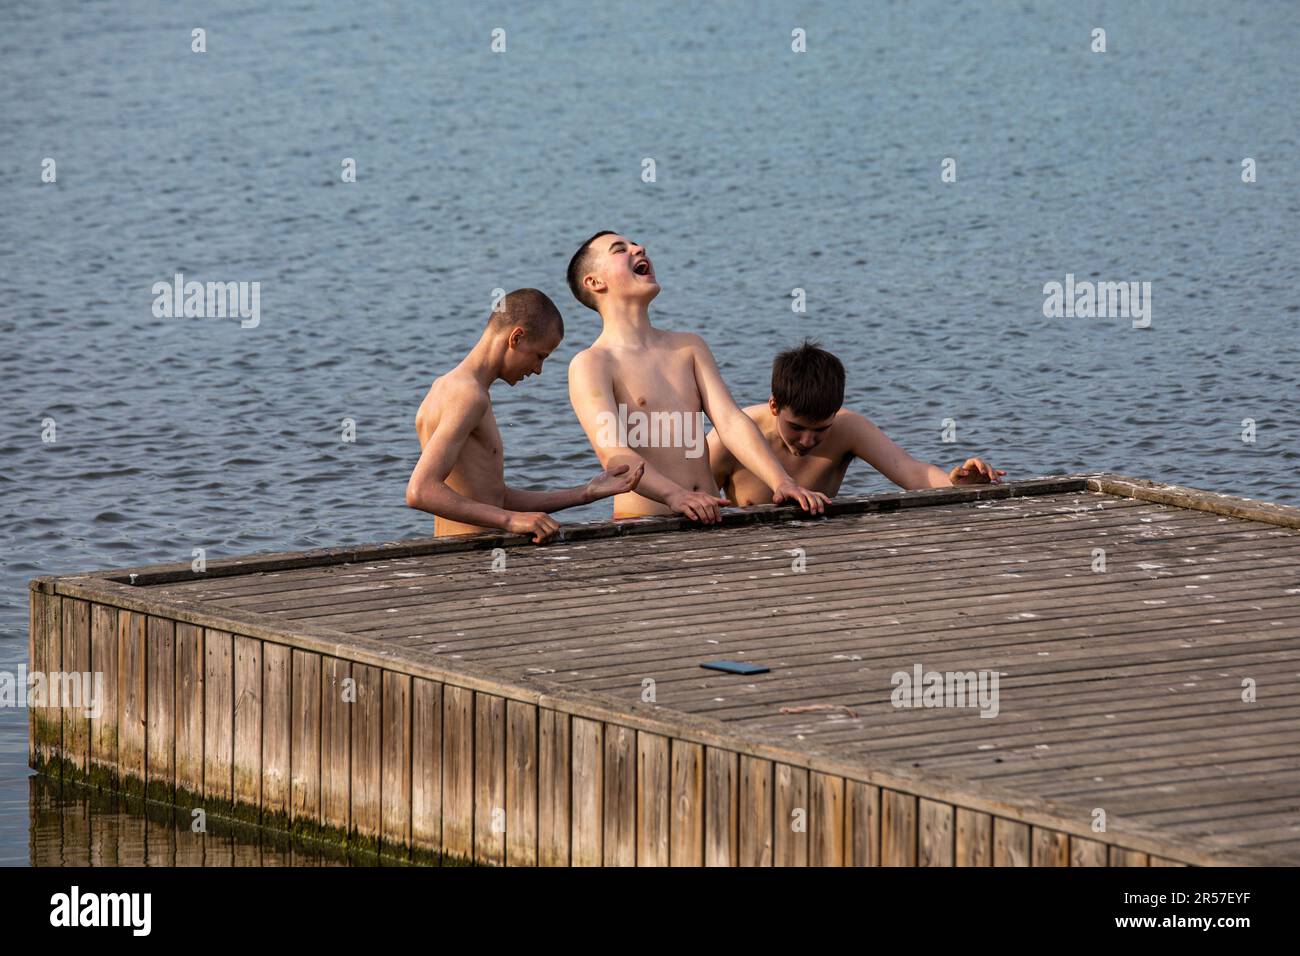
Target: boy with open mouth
(633, 365)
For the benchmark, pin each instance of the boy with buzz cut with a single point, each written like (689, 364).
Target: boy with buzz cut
(635, 375)
(816, 439)
(460, 476)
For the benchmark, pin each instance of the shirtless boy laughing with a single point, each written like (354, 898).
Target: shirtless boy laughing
(816, 439)
(639, 393)
(460, 477)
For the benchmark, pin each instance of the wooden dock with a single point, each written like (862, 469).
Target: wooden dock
(504, 703)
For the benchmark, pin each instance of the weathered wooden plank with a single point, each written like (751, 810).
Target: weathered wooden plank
(1119, 856)
(653, 800)
(686, 813)
(1051, 847)
(1085, 852)
(722, 807)
(338, 699)
(619, 798)
(304, 742)
(247, 769)
(396, 786)
(826, 843)
(277, 724)
(132, 695)
(1161, 861)
(521, 784)
(76, 689)
(367, 726)
(898, 834)
(190, 667)
(861, 824)
(790, 816)
(757, 795)
(490, 779)
(104, 661)
(160, 694)
(218, 719)
(426, 766)
(458, 772)
(974, 843)
(936, 834)
(554, 784)
(1010, 843)
(588, 754)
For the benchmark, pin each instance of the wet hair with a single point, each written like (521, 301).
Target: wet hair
(579, 266)
(809, 381)
(530, 310)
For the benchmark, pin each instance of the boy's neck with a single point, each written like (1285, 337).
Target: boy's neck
(486, 359)
(626, 322)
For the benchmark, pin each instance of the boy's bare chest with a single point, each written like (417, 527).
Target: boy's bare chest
(657, 383)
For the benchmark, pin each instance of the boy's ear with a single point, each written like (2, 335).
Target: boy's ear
(772, 406)
(517, 335)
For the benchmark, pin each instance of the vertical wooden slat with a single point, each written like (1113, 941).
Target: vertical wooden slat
(426, 765)
(367, 756)
(1051, 847)
(722, 807)
(554, 786)
(72, 688)
(936, 837)
(458, 772)
(1122, 857)
(131, 694)
(790, 816)
(248, 727)
(36, 662)
(974, 838)
(619, 799)
(189, 714)
(103, 658)
(897, 828)
(489, 779)
(686, 846)
(218, 718)
(588, 789)
(304, 743)
(826, 842)
(756, 800)
(653, 785)
(1010, 843)
(160, 769)
(338, 696)
(1085, 852)
(277, 731)
(395, 788)
(521, 784)
(862, 824)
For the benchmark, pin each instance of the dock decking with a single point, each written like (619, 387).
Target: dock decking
(507, 703)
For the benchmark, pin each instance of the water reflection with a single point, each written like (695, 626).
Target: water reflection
(76, 825)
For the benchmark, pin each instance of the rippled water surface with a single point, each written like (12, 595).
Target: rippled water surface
(479, 171)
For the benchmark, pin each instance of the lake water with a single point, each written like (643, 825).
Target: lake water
(774, 171)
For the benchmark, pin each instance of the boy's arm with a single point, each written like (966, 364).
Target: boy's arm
(875, 448)
(614, 481)
(721, 462)
(741, 436)
(591, 393)
(427, 489)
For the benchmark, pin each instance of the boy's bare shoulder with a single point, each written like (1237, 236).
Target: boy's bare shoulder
(458, 390)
